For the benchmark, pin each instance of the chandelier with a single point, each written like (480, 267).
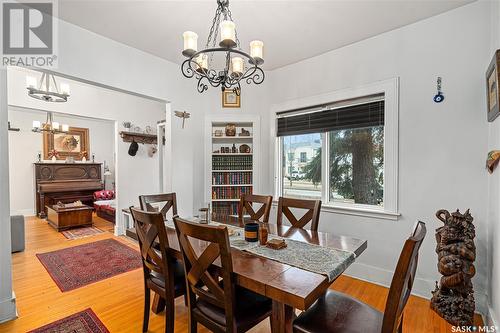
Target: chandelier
(200, 64)
(50, 126)
(47, 90)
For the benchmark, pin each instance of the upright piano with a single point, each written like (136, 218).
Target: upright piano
(65, 182)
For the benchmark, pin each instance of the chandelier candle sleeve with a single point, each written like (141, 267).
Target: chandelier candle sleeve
(257, 50)
(202, 62)
(36, 124)
(65, 128)
(190, 43)
(55, 125)
(31, 82)
(65, 89)
(237, 65)
(227, 33)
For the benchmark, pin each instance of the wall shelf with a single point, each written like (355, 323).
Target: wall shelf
(148, 139)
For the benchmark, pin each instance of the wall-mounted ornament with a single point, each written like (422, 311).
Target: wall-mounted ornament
(439, 97)
(134, 147)
(492, 160)
(492, 95)
(182, 114)
(12, 128)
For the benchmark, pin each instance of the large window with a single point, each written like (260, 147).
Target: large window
(335, 152)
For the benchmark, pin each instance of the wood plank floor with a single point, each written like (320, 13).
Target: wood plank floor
(118, 301)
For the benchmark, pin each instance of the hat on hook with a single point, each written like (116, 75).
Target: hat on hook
(134, 147)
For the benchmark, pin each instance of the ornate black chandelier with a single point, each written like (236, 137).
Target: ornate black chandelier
(200, 63)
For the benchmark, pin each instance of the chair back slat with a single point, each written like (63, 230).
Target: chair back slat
(150, 227)
(313, 208)
(246, 205)
(169, 199)
(199, 276)
(402, 281)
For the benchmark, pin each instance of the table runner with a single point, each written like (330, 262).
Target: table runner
(327, 261)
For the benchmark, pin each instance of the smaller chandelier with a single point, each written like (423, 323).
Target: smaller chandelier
(50, 126)
(200, 64)
(47, 90)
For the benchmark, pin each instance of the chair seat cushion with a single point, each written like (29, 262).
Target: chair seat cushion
(337, 312)
(179, 280)
(251, 308)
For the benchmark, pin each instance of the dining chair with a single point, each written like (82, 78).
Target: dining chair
(162, 274)
(219, 305)
(246, 205)
(311, 215)
(336, 312)
(169, 199)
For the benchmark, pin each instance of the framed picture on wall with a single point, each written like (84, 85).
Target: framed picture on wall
(230, 99)
(492, 95)
(69, 144)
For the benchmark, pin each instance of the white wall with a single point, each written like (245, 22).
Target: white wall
(494, 194)
(25, 145)
(135, 175)
(442, 147)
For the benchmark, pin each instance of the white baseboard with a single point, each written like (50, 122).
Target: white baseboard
(421, 287)
(8, 309)
(24, 212)
(491, 319)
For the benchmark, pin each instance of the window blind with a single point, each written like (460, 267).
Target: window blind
(364, 112)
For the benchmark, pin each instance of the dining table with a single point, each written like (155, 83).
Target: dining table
(289, 287)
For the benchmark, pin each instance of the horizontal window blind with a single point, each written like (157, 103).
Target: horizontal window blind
(364, 112)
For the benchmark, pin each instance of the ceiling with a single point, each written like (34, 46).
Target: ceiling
(291, 30)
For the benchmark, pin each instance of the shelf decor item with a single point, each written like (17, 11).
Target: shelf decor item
(244, 132)
(230, 130)
(218, 133)
(230, 99)
(245, 149)
(492, 95)
(453, 298)
(203, 64)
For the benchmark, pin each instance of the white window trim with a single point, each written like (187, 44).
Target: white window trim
(390, 89)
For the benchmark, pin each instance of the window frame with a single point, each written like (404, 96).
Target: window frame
(390, 89)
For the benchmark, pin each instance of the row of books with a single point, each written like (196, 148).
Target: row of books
(230, 192)
(225, 208)
(232, 162)
(231, 178)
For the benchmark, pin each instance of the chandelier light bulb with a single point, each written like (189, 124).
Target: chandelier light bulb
(65, 127)
(190, 43)
(36, 124)
(55, 125)
(64, 89)
(237, 65)
(257, 51)
(31, 82)
(227, 34)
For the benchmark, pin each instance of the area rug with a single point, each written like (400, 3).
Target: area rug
(77, 233)
(78, 266)
(81, 322)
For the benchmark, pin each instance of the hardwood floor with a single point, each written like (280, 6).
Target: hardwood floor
(118, 301)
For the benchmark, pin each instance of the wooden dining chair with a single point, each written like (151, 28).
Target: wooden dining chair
(311, 215)
(336, 312)
(162, 274)
(217, 304)
(169, 199)
(246, 205)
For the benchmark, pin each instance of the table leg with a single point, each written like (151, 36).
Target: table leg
(282, 318)
(158, 304)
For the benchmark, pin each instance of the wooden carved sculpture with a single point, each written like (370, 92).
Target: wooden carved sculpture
(453, 299)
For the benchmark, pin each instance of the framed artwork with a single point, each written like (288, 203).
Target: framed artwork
(492, 95)
(230, 99)
(70, 144)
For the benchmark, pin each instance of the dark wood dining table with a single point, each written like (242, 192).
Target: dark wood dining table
(289, 287)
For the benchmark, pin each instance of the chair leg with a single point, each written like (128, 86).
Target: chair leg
(186, 299)
(170, 316)
(271, 324)
(193, 326)
(400, 327)
(147, 298)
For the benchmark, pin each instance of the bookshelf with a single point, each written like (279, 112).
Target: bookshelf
(231, 171)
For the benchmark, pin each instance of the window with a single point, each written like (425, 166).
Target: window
(345, 152)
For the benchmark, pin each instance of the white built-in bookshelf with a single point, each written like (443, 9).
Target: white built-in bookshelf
(231, 162)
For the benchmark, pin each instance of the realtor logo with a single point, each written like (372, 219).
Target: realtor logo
(28, 30)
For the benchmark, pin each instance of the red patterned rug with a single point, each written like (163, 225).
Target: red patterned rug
(81, 265)
(77, 233)
(81, 322)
